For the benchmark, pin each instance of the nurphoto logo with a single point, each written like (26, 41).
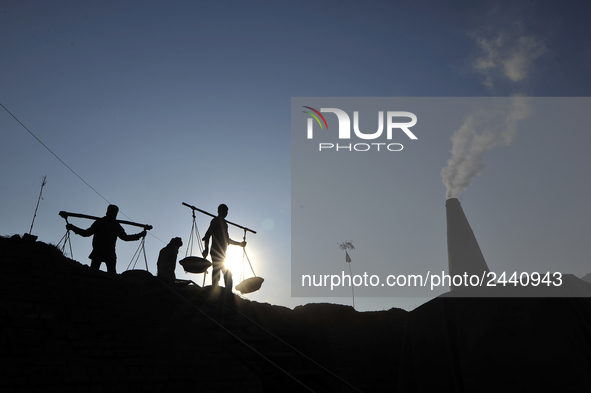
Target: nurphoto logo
(344, 130)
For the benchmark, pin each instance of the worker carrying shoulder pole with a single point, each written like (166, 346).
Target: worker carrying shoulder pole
(218, 231)
(105, 232)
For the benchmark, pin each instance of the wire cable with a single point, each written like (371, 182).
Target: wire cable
(55, 155)
(66, 165)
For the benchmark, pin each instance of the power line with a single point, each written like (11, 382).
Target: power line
(66, 165)
(55, 155)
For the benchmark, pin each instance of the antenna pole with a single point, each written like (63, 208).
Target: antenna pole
(352, 286)
(43, 183)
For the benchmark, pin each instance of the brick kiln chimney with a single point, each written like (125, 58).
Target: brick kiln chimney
(463, 251)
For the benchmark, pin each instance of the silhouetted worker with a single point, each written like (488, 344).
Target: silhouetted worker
(106, 230)
(218, 231)
(167, 259)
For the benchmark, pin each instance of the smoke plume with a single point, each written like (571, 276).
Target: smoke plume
(508, 57)
(482, 130)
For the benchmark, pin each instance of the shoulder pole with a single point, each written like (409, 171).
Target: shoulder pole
(65, 215)
(209, 214)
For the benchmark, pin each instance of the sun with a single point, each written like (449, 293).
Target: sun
(234, 262)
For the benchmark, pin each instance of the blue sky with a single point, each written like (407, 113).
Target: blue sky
(158, 103)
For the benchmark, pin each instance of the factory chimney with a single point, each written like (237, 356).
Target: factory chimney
(463, 251)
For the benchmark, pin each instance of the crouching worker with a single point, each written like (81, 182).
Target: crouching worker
(105, 232)
(167, 259)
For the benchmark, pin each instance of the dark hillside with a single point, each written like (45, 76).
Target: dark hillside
(66, 326)
(69, 327)
(498, 344)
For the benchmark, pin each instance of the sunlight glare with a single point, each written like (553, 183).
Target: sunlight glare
(234, 262)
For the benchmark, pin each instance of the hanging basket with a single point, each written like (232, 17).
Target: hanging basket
(195, 264)
(250, 285)
(138, 274)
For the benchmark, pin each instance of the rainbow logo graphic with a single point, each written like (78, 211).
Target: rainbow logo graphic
(316, 117)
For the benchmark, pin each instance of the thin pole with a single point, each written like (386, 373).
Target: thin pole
(43, 183)
(352, 286)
